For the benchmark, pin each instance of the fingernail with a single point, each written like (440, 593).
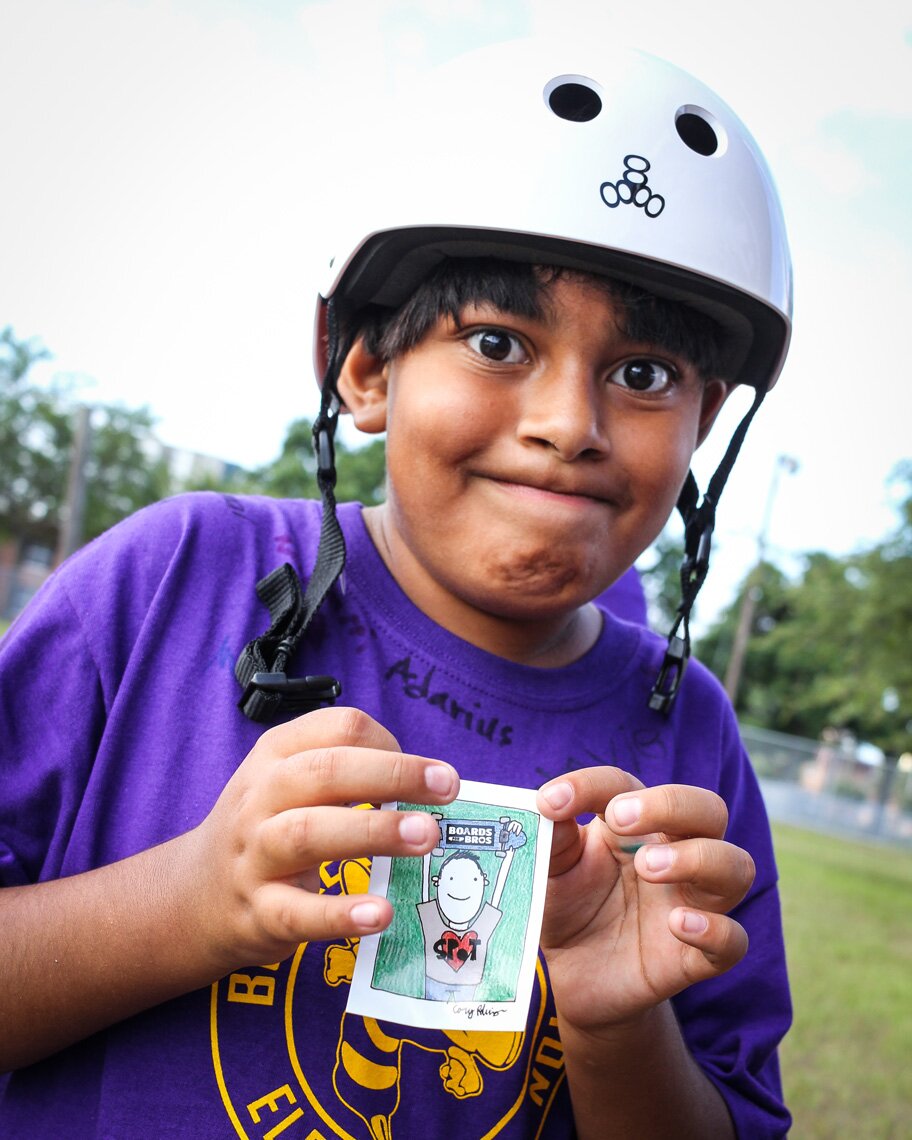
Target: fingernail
(626, 811)
(414, 829)
(365, 914)
(659, 857)
(693, 923)
(440, 779)
(558, 795)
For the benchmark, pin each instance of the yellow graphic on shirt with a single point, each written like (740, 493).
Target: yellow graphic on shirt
(368, 1058)
(372, 1063)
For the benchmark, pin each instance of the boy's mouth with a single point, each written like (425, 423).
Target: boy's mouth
(535, 487)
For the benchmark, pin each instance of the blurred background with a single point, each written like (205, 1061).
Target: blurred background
(165, 212)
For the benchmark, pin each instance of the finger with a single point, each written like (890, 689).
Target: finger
(289, 915)
(668, 809)
(302, 837)
(583, 791)
(344, 774)
(714, 942)
(715, 875)
(338, 725)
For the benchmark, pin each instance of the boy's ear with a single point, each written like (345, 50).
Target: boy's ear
(715, 393)
(362, 386)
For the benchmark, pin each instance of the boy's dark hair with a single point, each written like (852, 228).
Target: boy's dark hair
(460, 853)
(518, 287)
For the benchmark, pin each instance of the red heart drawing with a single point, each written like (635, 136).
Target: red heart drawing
(456, 950)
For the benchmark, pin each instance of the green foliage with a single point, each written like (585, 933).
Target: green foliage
(660, 572)
(36, 442)
(759, 695)
(34, 436)
(124, 468)
(121, 476)
(832, 647)
(361, 471)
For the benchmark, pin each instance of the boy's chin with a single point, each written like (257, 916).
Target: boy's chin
(547, 590)
(543, 606)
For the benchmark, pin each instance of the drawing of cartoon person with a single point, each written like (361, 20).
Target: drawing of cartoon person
(457, 922)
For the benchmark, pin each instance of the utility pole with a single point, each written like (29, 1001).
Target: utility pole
(72, 514)
(752, 590)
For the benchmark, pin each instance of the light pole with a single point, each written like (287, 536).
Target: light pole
(72, 514)
(752, 591)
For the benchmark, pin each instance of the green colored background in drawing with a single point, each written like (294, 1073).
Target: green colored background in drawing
(399, 966)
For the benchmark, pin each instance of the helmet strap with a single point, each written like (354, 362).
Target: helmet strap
(699, 521)
(260, 669)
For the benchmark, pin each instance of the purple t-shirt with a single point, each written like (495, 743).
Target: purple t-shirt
(119, 729)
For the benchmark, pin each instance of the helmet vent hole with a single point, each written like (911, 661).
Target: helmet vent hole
(574, 102)
(700, 131)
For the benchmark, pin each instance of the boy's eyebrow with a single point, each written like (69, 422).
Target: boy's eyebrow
(485, 310)
(457, 313)
(548, 316)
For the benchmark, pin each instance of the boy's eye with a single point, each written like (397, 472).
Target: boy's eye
(495, 344)
(644, 376)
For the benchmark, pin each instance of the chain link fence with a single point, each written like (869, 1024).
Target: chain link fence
(833, 785)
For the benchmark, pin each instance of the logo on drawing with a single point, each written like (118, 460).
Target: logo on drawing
(633, 188)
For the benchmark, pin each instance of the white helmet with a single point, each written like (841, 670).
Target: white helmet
(605, 160)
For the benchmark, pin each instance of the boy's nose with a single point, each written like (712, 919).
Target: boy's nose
(564, 409)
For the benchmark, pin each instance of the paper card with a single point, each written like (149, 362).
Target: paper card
(461, 950)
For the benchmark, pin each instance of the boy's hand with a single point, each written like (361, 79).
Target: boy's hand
(637, 898)
(238, 890)
(286, 810)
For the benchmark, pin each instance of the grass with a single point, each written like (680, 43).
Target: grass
(847, 1063)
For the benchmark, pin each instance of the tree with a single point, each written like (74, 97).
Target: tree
(34, 436)
(36, 441)
(660, 571)
(759, 696)
(361, 471)
(832, 647)
(122, 473)
(124, 468)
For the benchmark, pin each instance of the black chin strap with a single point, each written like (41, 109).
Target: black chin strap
(260, 669)
(699, 522)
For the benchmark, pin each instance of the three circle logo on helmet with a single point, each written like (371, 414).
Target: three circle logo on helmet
(633, 188)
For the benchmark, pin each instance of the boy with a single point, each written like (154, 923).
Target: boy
(185, 891)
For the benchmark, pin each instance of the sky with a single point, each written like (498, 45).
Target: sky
(164, 212)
